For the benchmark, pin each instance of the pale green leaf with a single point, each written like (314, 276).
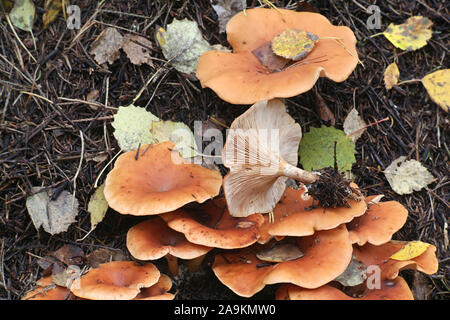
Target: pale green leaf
(22, 14)
(97, 206)
(178, 133)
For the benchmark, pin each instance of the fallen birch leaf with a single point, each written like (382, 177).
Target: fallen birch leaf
(406, 176)
(294, 44)
(52, 10)
(411, 35)
(355, 274)
(97, 206)
(438, 87)
(137, 49)
(106, 46)
(410, 251)
(22, 14)
(132, 127)
(182, 44)
(354, 126)
(226, 9)
(178, 133)
(391, 76)
(55, 216)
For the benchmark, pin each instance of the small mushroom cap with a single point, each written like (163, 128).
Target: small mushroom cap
(293, 218)
(259, 142)
(379, 223)
(158, 291)
(153, 239)
(46, 289)
(211, 225)
(239, 77)
(326, 256)
(380, 255)
(390, 290)
(158, 181)
(117, 280)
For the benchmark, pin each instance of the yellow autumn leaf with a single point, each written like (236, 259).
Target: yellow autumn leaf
(410, 251)
(294, 44)
(52, 9)
(391, 76)
(411, 35)
(438, 87)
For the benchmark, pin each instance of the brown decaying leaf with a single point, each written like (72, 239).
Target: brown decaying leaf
(226, 9)
(137, 49)
(52, 9)
(325, 114)
(106, 46)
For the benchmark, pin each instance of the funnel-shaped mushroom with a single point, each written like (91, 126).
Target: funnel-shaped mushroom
(241, 78)
(379, 223)
(389, 290)
(294, 216)
(153, 239)
(117, 280)
(261, 152)
(211, 225)
(157, 180)
(326, 255)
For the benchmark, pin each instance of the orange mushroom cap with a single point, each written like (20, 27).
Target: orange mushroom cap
(293, 218)
(158, 291)
(116, 280)
(153, 239)
(379, 223)
(240, 78)
(390, 290)
(158, 181)
(326, 255)
(380, 255)
(211, 225)
(46, 289)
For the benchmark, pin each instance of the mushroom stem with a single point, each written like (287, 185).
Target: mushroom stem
(298, 174)
(172, 263)
(194, 264)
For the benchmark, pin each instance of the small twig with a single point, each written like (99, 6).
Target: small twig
(79, 168)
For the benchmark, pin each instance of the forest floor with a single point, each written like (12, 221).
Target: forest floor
(40, 141)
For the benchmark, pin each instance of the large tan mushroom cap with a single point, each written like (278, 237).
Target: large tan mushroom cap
(211, 225)
(261, 152)
(380, 255)
(46, 289)
(293, 218)
(117, 280)
(153, 239)
(158, 181)
(326, 256)
(390, 290)
(379, 223)
(240, 78)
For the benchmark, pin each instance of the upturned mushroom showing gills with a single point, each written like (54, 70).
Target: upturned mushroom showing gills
(156, 179)
(253, 72)
(261, 152)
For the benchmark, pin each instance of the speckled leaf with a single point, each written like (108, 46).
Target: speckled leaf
(97, 206)
(22, 14)
(354, 274)
(138, 49)
(391, 76)
(132, 127)
(407, 176)
(317, 149)
(410, 251)
(182, 44)
(106, 46)
(55, 216)
(411, 35)
(438, 87)
(178, 133)
(294, 44)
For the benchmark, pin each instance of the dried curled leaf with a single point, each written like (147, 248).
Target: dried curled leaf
(411, 35)
(137, 49)
(226, 9)
(52, 9)
(438, 87)
(294, 44)
(407, 176)
(22, 14)
(391, 76)
(354, 126)
(132, 127)
(182, 44)
(410, 251)
(106, 46)
(97, 206)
